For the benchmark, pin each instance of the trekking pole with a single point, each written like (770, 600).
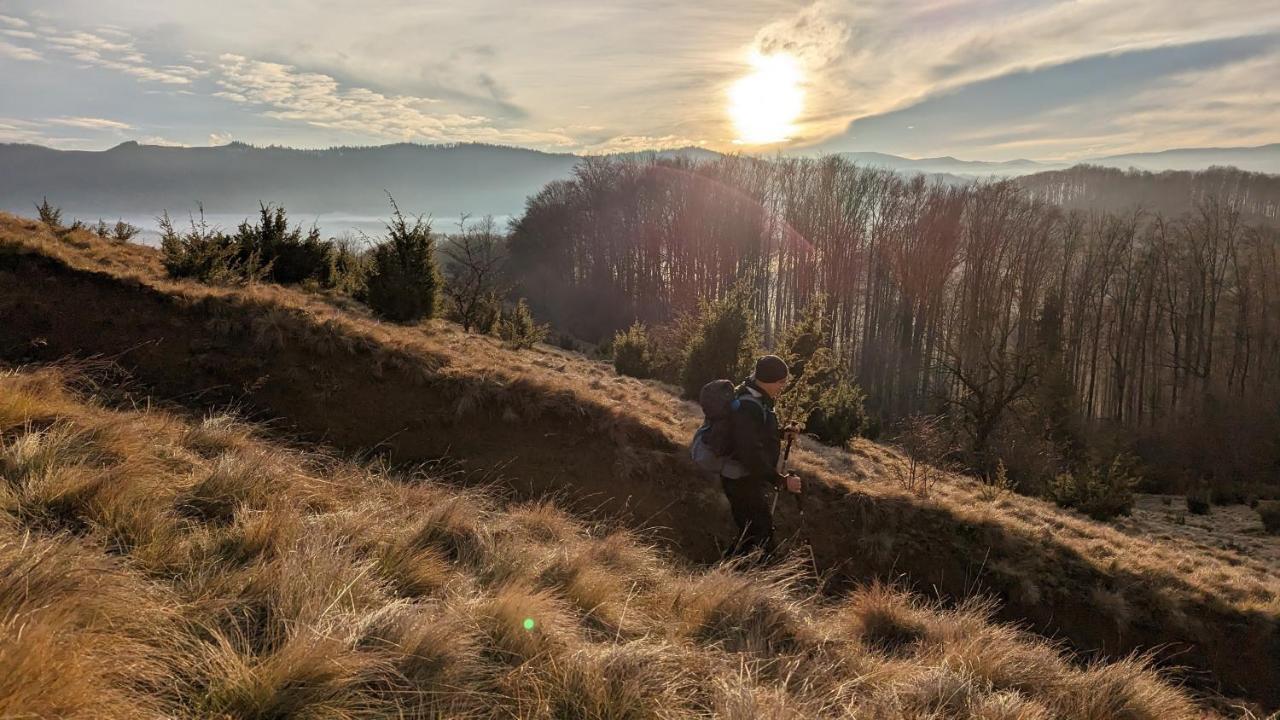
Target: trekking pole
(800, 525)
(804, 538)
(790, 431)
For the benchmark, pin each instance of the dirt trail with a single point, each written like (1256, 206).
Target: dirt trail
(330, 379)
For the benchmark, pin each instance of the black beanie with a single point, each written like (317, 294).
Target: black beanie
(770, 368)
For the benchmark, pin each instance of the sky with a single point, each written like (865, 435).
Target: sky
(976, 79)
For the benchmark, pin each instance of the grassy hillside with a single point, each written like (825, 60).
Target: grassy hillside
(559, 423)
(157, 567)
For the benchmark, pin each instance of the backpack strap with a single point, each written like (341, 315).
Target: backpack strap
(737, 403)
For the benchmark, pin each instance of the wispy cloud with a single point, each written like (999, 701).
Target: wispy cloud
(286, 93)
(90, 123)
(13, 130)
(1221, 106)
(18, 52)
(877, 56)
(637, 143)
(16, 130)
(119, 54)
(160, 141)
(1201, 93)
(106, 47)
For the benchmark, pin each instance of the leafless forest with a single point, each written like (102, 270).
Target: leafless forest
(1064, 318)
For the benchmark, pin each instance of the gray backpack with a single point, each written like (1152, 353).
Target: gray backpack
(712, 444)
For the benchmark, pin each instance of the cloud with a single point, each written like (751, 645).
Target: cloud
(877, 56)
(1200, 93)
(45, 132)
(118, 53)
(17, 52)
(637, 143)
(577, 52)
(219, 138)
(285, 93)
(1205, 107)
(597, 76)
(90, 123)
(460, 86)
(13, 130)
(113, 31)
(817, 36)
(160, 141)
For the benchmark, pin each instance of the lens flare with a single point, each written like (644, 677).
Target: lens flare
(765, 104)
(529, 623)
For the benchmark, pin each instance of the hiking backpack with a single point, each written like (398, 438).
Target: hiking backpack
(712, 443)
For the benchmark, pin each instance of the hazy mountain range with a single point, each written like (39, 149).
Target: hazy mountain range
(1263, 158)
(351, 184)
(135, 179)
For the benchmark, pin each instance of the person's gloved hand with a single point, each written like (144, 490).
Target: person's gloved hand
(793, 484)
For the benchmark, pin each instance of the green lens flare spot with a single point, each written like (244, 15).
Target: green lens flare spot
(529, 623)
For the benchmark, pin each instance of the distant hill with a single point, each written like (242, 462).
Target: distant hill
(1168, 192)
(346, 186)
(145, 180)
(948, 166)
(1262, 158)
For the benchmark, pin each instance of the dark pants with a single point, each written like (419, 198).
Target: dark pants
(750, 504)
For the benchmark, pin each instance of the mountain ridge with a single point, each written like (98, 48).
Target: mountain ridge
(1256, 158)
(446, 179)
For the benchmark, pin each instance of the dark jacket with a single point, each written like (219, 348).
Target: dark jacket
(757, 441)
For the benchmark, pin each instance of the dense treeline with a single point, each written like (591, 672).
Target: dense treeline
(1090, 187)
(1054, 339)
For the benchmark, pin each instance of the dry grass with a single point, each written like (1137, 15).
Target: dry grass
(1232, 533)
(339, 374)
(331, 590)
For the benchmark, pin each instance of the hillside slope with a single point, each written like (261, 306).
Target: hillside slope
(558, 423)
(156, 567)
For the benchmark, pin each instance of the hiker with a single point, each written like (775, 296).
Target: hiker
(741, 441)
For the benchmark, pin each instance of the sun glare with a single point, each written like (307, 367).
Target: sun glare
(765, 104)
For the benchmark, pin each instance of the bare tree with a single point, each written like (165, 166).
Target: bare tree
(926, 448)
(473, 274)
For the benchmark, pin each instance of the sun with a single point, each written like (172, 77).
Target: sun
(765, 104)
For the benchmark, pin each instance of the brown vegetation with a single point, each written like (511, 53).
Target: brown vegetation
(327, 370)
(155, 567)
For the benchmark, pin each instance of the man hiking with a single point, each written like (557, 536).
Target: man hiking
(756, 446)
